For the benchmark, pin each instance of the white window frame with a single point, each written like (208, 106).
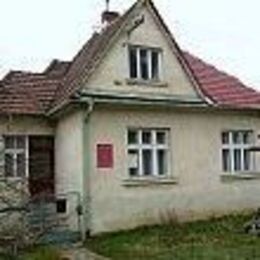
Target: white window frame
(231, 147)
(15, 152)
(154, 147)
(138, 61)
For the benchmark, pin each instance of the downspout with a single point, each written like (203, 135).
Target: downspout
(86, 168)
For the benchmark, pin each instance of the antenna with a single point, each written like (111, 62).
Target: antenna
(107, 5)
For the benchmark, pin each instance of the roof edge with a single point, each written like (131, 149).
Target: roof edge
(180, 56)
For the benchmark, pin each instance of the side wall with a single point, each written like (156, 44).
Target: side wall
(195, 164)
(69, 165)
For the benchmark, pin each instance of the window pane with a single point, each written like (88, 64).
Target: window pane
(21, 165)
(155, 65)
(225, 137)
(133, 162)
(162, 162)
(9, 142)
(61, 206)
(237, 160)
(133, 62)
(147, 162)
(144, 64)
(247, 137)
(132, 137)
(9, 165)
(146, 137)
(226, 160)
(247, 160)
(161, 138)
(20, 142)
(237, 137)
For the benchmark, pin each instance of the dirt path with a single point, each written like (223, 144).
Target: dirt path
(81, 254)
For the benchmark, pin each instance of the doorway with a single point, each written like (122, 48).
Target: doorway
(41, 166)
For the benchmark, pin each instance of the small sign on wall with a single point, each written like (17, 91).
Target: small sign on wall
(105, 158)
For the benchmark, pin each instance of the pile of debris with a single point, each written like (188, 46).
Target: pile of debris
(253, 226)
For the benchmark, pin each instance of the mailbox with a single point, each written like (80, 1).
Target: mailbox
(105, 156)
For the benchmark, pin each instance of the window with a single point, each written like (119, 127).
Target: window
(144, 63)
(236, 155)
(15, 159)
(147, 152)
(61, 206)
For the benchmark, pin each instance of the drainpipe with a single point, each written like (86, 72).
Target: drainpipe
(86, 168)
(89, 109)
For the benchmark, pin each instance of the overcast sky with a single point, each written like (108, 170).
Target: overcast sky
(225, 33)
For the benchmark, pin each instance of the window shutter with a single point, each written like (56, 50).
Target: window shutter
(2, 156)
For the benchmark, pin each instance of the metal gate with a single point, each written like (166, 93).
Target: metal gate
(56, 218)
(42, 219)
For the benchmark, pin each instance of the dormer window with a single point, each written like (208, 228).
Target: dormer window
(144, 63)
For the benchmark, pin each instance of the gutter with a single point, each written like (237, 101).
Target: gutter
(87, 215)
(57, 108)
(139, 99)
(90, 109)
(145, 103)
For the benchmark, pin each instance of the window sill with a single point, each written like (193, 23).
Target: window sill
(240, 176)
(146, 181)
(13, 179)
(151, 83)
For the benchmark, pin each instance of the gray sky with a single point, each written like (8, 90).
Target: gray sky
(225, 33)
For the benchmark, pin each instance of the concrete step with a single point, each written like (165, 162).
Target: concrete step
(81, 254)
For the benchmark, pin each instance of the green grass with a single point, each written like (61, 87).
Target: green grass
(215, 239)
(42, 253)
(36, 253)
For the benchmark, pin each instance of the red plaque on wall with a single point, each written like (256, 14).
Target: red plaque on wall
(105, 156)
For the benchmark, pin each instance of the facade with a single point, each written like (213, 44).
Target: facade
(133, 130)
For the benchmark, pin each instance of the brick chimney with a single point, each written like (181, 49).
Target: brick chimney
(109, 16)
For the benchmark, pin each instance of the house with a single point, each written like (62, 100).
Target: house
(133, 130)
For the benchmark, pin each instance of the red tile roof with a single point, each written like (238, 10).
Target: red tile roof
(87, 58)
(15, 100)
(57, 68)
(31, 93)
(35, 93)
(225, 90)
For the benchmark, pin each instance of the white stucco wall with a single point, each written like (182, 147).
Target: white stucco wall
(25, 125)
(113, 71)
(195, 139)
(69, 164)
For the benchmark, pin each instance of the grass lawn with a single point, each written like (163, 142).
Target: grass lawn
(217, 239)
(37, 253)
(44, 253)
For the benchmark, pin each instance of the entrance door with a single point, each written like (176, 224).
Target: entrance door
(41, 165)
